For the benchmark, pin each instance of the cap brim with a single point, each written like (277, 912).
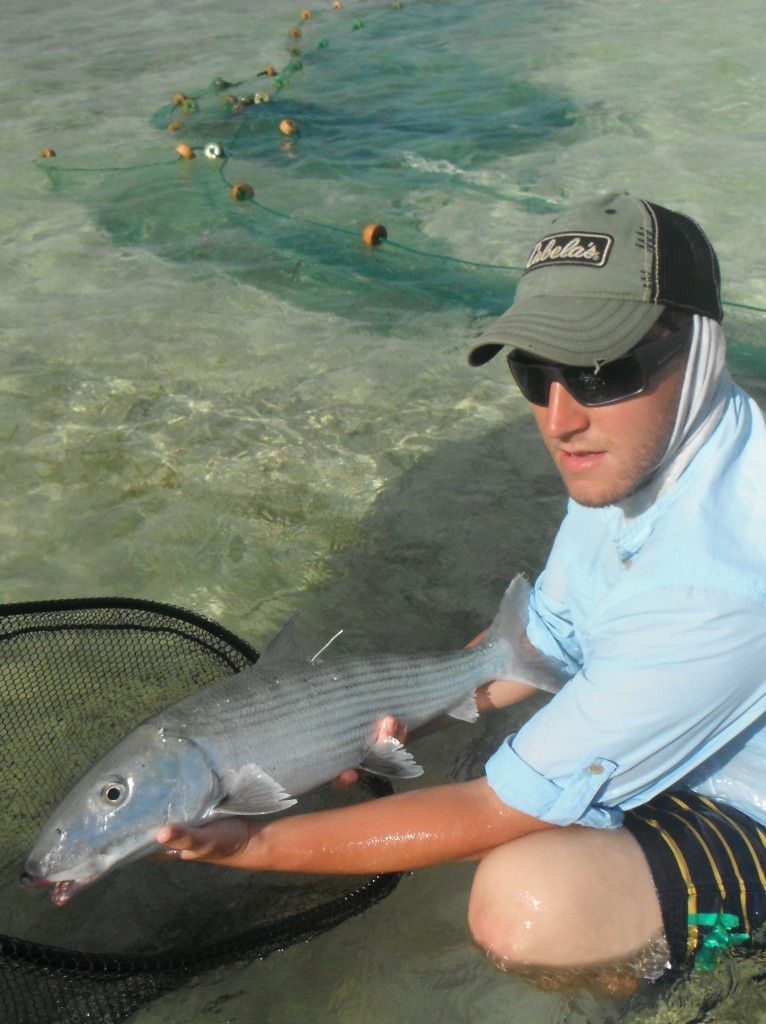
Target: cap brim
(574, 330)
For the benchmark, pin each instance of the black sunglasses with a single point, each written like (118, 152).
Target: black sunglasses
(603, 384)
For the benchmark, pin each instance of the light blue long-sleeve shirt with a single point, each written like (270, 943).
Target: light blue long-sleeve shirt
(662, 622)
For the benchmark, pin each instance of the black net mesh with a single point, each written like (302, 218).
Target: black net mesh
(74, 677)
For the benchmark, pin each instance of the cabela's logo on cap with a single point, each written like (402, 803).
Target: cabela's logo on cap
(571, 248)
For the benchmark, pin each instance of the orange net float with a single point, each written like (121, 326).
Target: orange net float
(185, 151)
(175, 126)
(288, 127)
(306, 15)
(47, 153)
(374, 234)
(242, 191)
(179, 99)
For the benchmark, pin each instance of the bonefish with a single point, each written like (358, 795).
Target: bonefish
(253, 742)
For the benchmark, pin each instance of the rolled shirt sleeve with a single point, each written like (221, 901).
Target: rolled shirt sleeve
(520, 786)
(672, 677)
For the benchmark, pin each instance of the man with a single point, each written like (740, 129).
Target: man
(633, 802)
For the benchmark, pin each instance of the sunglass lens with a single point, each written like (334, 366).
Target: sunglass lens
(613, 382)
(533, 381)
(586, 386)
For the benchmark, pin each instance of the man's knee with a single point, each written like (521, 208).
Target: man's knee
(568, 897)
(506, 912)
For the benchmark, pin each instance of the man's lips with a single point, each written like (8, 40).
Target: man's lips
(575, 460)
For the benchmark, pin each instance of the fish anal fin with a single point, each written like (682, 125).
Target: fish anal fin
(251, 790)
(390, 758)
(466, 710)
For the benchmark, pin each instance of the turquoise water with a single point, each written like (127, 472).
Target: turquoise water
(240, 408)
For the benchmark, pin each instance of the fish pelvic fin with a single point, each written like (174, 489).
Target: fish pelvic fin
(525, 663)
(251, 790)
(390, 758)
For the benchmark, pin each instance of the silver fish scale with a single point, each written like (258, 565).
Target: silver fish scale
(329, 709)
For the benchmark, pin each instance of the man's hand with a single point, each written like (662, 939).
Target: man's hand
(215, 842)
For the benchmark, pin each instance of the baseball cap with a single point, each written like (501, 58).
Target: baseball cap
(597, 282)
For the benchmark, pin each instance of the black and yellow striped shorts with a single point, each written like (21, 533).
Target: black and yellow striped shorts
(708, 862)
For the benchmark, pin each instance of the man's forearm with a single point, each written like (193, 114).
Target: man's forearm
(399, 833)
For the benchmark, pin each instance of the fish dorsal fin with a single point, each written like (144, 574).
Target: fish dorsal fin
(251, 790)
(466, 710)
(283, 646)
(390, 758)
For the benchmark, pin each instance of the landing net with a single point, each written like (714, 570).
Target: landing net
(74, 677)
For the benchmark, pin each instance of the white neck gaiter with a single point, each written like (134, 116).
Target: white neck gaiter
(703, 396)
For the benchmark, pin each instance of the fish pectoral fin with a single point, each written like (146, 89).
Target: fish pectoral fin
(466, 710)
(251, 790)
(390, 758)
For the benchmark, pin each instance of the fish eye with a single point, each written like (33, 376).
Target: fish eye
(113, 793)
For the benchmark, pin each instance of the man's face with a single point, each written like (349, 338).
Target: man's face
(605, 453)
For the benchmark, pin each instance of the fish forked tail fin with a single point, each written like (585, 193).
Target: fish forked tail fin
(525, 663)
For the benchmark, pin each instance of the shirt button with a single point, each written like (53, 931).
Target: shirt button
(596, 769)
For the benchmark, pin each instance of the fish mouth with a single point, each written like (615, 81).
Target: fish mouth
(30, 881)
(63, 891)
(66, 887)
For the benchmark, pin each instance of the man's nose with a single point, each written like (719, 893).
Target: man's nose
(564, 414)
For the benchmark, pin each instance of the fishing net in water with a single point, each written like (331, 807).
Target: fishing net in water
(325, 176)
(311, 173)
(74, 677)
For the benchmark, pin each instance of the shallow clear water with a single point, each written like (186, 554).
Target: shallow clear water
(241, 409)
